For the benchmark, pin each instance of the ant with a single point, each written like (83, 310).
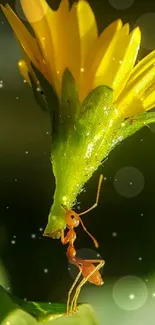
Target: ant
(87, 269)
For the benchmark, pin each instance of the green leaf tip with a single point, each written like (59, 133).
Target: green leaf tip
(131, 125)
(100, 96)
(69, 96)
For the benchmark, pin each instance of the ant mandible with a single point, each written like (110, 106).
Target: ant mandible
(87, 269)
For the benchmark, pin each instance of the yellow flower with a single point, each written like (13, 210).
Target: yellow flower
(100, 96)
(69, 38)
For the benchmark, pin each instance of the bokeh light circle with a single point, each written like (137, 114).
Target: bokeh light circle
(84, 253)
(146, 22)
(130, 293)
(129, 181)
(121, 4)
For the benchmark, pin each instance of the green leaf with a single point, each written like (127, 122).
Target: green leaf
(98, 100)
(51, 98)
(78, 154)
(131, 125)
(38, 94)
(6, 304)
(41, 310)
(96, 111)
(14, 311)
(70, 105)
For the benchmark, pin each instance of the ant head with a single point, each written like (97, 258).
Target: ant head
(71, 217)
(73, 221)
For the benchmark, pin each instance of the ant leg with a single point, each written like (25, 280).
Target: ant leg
(71, 289)
(97, 197)
(94, 205)
(64, 239)
(89, 234)
(79, 287)
(92, 261)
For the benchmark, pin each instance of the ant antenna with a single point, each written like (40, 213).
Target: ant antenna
(91, 208)
(97, 197)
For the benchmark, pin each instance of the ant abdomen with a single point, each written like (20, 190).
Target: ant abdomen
(95, 278)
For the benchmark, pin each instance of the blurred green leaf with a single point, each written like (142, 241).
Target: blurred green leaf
(6, 304)
(40, 310)
(4, 279)
(14, 311)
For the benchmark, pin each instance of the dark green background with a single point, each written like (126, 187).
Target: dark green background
(24, 127)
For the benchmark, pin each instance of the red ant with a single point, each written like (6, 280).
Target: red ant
(87, 268)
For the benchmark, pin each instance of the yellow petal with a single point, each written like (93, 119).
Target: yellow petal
(127, 55)
(59, 33)
(87, 28)
(142, 65)
(38, 13)
(96, 54)
(110, 63)
(24, 71)
(82, 32)
(135, 107)
(28, 42)
(25, 67)
(149, 101)
(57, 20)
(139, 87)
